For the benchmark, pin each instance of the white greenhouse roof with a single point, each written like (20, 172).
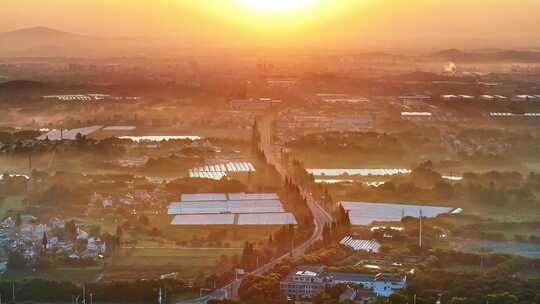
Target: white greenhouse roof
(266, 219)
(362, 172)
(252, 196)
(203, 219)
(362, 213)
(213, 207)
(202, 197)
(361, 245)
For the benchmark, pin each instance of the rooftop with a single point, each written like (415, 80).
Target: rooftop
(352, 277)
(388, 277)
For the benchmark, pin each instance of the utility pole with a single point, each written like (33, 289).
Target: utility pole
(292, 246)
(29, 185)
(203, 290)
(13, 292)
(420, 232)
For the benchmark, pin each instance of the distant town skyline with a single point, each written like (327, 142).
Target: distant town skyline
(322, 24)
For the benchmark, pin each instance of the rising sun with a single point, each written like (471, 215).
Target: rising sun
(276, 6)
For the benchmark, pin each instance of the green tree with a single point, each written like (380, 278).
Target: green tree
(336, 291)
(323, 298)
(44, 243)
(119, 233)
(457, 300)
(70, 230)
(95, 231)
(143, 219)
(398, 298)
(118, 238)
(16, 261)
(265, 289)
(502, 298)
(18, 220)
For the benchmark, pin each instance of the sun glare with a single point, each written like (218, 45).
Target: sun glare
(276, 6)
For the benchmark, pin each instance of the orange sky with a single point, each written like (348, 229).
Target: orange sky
(344, 23)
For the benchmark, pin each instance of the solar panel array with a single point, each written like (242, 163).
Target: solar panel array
(159, 138)
(79, 97)
(202, 197)
(507, 114)
(220, 170)
(526, 97)
(230, 209)
(69, 134)
(208, 175)
(361, 245)
(361, 213)
(120, 128)
(252, 196)
(266, 219)
(362, 172)
(212, 207)
(203, 219)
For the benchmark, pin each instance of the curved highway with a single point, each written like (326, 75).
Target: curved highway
(320, 217)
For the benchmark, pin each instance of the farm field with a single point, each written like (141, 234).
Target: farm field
(313, 158)
(189, 263)
(10, 205)
(501, 214)
(219, 235)
(76, 275)
(515, 248)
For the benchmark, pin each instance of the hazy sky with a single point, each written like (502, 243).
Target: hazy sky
(354, 23)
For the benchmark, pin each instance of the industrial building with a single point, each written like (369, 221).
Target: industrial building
(259, 104)
(416, 115)
(308, 281)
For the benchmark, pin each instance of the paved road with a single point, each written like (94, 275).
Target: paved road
(320, 217)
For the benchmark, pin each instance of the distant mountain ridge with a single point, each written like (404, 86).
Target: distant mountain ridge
(486, 55)
(47, 42)
(41, 30)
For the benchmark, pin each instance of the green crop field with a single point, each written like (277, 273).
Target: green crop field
(150, 263)
(76, 275)
(179, 252)
(10, 205)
